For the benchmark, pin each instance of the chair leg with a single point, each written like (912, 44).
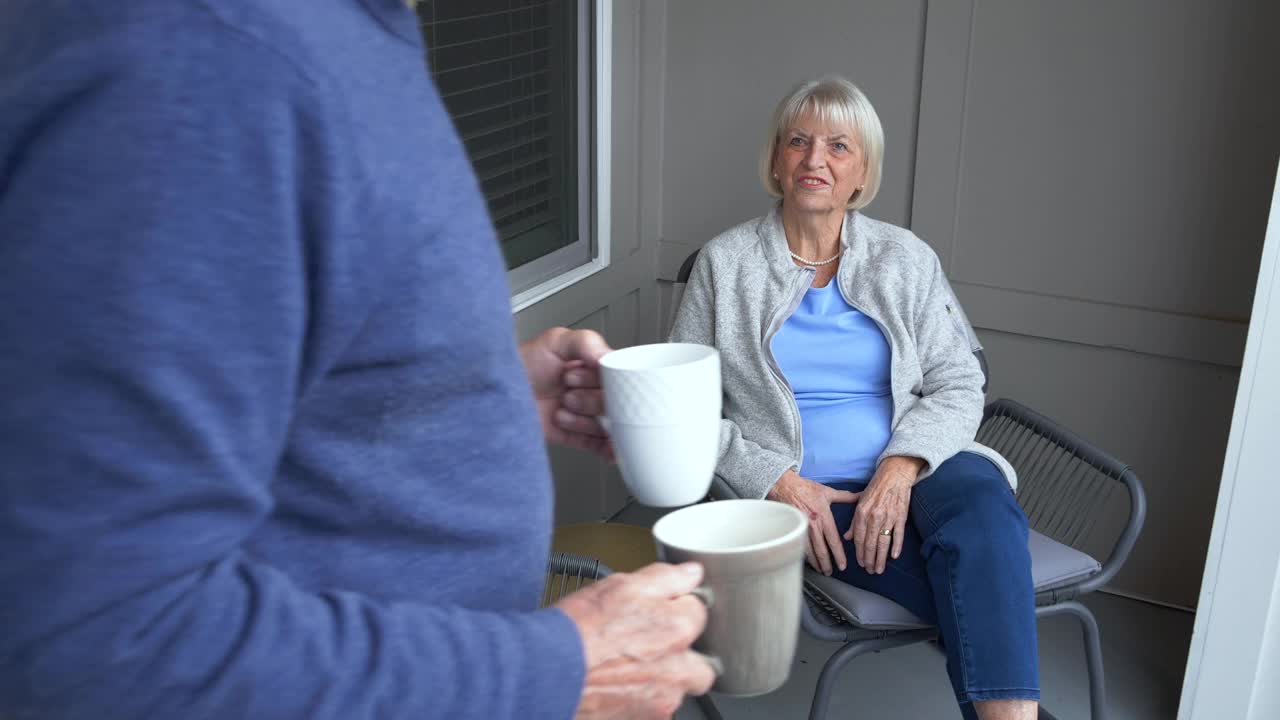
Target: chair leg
(826, 681)
(841, 657)
(1092, 652)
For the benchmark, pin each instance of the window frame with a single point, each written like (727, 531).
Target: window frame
(589, 253)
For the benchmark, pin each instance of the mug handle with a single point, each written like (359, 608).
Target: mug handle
(708, 599)
(717, 667)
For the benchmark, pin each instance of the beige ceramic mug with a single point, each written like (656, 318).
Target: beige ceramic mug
(753, 554)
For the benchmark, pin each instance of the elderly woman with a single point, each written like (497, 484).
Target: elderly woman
(851, 392)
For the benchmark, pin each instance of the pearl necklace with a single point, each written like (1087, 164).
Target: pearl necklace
(816, 263)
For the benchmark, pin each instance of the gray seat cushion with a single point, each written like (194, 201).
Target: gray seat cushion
(1053, 565)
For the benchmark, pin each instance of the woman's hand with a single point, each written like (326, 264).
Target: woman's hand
(563, 369)
(883, 506)
(814, 500)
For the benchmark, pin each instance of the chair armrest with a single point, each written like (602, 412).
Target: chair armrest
(1064, 480)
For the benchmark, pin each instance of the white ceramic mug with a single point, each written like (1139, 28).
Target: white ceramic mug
(753, 554)
(663, 407)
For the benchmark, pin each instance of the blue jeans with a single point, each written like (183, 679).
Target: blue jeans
(964, 567)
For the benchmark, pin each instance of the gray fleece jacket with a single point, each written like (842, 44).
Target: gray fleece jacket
(744, 286)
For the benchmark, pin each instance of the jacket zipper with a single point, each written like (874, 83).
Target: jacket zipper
(775, 324)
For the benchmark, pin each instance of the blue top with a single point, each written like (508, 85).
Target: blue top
(260, 402)
(837, 362)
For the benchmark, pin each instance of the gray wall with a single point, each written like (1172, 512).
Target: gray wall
(1095, 177)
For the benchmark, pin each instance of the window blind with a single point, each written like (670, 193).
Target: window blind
(507, 72)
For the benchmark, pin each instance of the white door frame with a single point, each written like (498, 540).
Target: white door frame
(1235, 647)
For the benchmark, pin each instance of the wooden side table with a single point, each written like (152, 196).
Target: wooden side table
(623, 548)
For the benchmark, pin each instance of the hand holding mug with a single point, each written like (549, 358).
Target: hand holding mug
(637, 629)
(564, 374)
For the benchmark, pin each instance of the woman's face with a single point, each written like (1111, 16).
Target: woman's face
(818, 167)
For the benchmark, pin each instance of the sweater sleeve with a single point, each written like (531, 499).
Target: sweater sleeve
(159, 270)
(749, 469)
(945, 417)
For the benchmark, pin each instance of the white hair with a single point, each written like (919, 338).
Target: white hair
(838, 103)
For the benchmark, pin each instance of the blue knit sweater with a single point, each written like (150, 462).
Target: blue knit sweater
(266, 446)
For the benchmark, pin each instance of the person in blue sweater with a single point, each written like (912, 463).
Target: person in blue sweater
(267, 444)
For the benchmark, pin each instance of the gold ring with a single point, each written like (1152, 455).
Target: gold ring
(886, 532)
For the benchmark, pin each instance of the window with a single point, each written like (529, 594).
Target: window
(518, 78)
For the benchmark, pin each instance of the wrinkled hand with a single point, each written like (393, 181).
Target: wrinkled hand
(636, 633)
(814, 500)
(884, 505)
(563, 369)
